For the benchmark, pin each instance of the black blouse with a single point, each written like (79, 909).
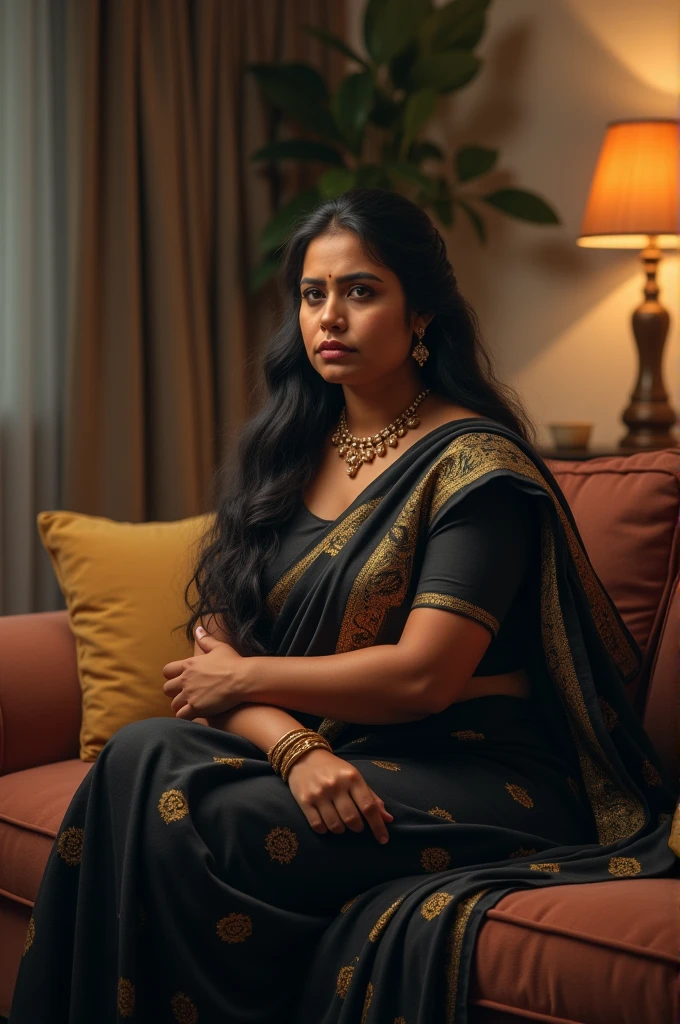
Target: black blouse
(478, 563)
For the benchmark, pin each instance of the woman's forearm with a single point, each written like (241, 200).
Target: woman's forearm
(258, 723)
(373, 685)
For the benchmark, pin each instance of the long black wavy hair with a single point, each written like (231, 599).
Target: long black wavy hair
(260, 485)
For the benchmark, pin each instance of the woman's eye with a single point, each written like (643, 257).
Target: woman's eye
(309, 294)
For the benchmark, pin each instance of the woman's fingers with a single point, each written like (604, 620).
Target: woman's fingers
(367, 802)
(330, 816)
(383, 810)
(349, 812)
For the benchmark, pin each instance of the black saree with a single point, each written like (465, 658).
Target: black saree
(185, 883)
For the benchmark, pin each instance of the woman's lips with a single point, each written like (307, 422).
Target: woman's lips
(336, 353)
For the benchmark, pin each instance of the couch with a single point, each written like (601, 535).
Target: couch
(601, 953)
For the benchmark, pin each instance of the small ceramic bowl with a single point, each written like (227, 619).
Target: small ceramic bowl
(570, 435)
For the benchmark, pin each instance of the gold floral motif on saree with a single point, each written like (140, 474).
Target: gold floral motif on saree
(343, 980)
(519, 794)
(523, 851)
(390, 766)
(544, 866)
(367, 1002)
(434, 904)
(609, 716)
(235, 762)
(345, 907)
(30, 935)
(624, 867)
(126, 997)
(173, 805)
(70, 845)
(439, 812)
(234, 928)
(380, 925)
(281, 844)
(183, 1009)
(434, 858)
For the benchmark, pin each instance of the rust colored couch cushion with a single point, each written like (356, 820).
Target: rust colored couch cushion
(626, 509)
(599, 952)
(32, 805)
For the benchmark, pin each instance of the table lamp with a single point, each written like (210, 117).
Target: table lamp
(633, 204)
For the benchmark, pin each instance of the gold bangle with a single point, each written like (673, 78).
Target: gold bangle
(292, 751)
(280, 740)
(310, 744)
(277, 751)
(282, 749)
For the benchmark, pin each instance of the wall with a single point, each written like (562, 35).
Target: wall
(557, 317)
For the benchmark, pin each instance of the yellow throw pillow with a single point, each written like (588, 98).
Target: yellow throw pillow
(124, 585)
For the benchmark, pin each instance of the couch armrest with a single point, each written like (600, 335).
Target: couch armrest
(40, 700)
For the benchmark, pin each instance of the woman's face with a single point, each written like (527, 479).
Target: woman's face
(365, 313)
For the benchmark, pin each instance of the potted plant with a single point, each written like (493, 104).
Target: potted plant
(369, 133)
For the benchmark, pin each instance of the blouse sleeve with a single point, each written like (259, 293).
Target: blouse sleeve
(477, 554)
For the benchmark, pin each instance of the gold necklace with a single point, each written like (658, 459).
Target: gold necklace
(357, 450)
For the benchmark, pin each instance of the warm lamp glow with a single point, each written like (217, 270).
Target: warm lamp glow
(634, 193)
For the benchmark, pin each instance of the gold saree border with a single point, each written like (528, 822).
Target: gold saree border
(435, 599)
(331, 544)
(460, 923)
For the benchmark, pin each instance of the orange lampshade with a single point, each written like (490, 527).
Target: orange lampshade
(634, 193)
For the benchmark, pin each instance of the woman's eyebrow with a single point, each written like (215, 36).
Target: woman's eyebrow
(344, 278)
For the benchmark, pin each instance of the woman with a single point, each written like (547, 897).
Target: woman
(409, 701)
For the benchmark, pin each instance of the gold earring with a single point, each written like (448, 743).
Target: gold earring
(420, 352)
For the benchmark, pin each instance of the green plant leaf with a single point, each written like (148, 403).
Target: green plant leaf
(444, 210)
(425, 150)
(473, 161)
(266, 268)
(475, 219)
(521, 204)
(277, 230)
(385, 113)
(390, 25)
(334, 182)
(299, 149)
(418, 109)
(300, 92)
(457, 25)
(400, 66)
(372, 176)
(444, 71)
(404, 169)
(335, 42)
(351, 106)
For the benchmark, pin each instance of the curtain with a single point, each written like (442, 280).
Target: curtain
(164, 337)
(33, 294)
(130, 216)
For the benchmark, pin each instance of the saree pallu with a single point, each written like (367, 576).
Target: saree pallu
(185, 883)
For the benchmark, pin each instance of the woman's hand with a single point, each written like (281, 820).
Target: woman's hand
(206, 685)
(333, 794)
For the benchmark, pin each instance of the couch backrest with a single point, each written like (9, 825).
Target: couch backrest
(627, 509)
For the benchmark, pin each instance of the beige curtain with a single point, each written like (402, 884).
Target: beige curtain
(166, 207)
